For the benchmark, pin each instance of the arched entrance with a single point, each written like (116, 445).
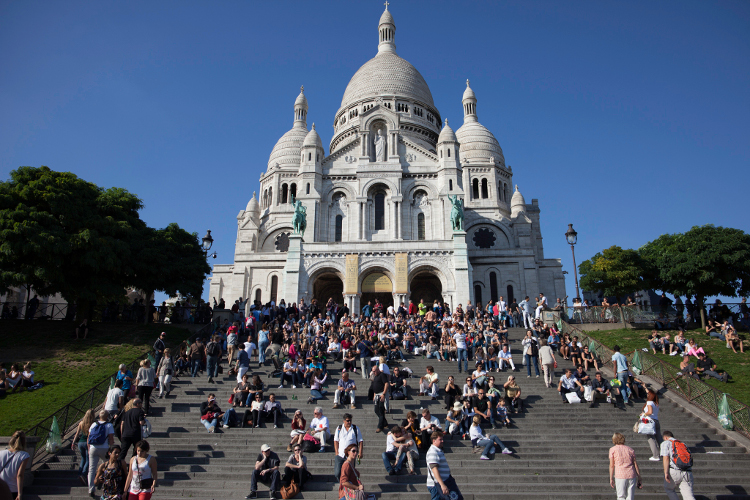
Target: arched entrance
(426, 286)
(377, 286)
(328, 285)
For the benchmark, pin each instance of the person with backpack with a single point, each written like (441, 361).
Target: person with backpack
(344, 435)
(678, 467)
(213, 352)
(101, 438)
(196, 356)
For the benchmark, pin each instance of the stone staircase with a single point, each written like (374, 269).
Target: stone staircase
(560, 450)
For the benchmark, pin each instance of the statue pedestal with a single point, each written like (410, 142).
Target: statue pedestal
(291, 269)
(462, 269)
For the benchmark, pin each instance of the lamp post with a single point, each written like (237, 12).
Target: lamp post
(206, 243)
(572, 236)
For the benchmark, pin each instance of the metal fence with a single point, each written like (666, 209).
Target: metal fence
(110, 313)
(696, 392)
(654, 313)
(69, 415)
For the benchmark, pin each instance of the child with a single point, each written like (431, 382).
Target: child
(502, 414)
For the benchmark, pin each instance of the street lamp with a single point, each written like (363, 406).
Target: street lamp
(207, 241)
(572, 236)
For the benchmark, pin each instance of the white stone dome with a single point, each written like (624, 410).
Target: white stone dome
(387, 74)
(313, 139)
(386, 18)
(447, 134)
(287, 150)
(252, 205)
(301, 100)
(478, 143)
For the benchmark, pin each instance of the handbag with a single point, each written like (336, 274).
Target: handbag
(290, 491)
(646, 426)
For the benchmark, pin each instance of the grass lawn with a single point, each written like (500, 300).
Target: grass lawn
(67, 366)
(726, 360)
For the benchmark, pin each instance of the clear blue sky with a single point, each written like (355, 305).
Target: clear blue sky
(628, 119)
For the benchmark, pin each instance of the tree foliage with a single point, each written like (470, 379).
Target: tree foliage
(614, 271)
(703, 262)
(63, 234)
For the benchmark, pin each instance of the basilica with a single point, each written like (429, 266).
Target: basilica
(374, 215)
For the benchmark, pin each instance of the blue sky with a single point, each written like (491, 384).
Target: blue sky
(627, 119)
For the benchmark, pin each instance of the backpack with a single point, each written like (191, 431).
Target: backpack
(310, 444)
(99, 434)
(534, 348)
(354, 427)
(213, 349)
(681, 458)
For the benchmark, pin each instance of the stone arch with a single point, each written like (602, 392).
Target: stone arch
(326, 280)
(477, 223)
(378, 266)
(427, 282)
(446, 281)
(390, 121)
(367, 186)
(269, 241)
(432, 194)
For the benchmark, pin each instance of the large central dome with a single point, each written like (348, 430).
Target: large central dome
(387, 74)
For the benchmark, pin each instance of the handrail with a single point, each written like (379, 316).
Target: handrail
(695, 392)
(69, 415)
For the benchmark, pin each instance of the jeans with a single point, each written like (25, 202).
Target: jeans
(436, 492)
(338, 462)
(295, 377)
(528, 364)
(461, 354)
(271, 478)
(318, 393)
(435, 355)
(391, 455)
(364, 363)
(195, 367)
(379, 403)
(144, 394)
(94, 455)
(209, 423)
(262, 351)
(83, 448)
(623, 378)
(717, 335)
(212, 366)
(489, 443)
(229, 417)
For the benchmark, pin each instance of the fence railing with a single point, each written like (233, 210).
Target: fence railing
(695, 392)
(72, 413)
(654, 313)
(111, 313)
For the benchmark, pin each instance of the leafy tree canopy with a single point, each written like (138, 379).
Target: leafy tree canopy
(703, 262)
(62, 234)
(614, 271)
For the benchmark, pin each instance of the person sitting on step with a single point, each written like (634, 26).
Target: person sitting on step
(429, 383)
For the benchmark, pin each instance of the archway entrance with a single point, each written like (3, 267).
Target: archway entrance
(426, 286)
(328, 285)
(377, 286)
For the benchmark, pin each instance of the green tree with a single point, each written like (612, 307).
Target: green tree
(614, 271)
(703, 262)
(63, 234)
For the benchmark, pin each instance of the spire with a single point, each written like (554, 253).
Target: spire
(470, 104)
(300, 109)
(387, 32)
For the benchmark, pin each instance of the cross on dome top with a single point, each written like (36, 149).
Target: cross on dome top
(386, 4)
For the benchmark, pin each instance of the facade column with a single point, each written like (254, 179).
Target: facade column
(360, 220)
(399, 208)
(398, 298)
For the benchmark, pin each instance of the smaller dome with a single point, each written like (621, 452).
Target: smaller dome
(468, 93)
(517, 203)
(386, 18)
(252, 205)
(313, 139)
(301, 100)
(447, 134)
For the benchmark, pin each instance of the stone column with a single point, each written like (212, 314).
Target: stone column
(399, 217)
(292, 267)
(398, 298)
(462, 269)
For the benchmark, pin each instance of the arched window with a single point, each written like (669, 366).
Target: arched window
(485, 192)
(270, 196)
(478, 295)
(450, 184)
(284, 193)
(274, 288)
(500, 192)
(449, 152)
(339, 227)
(379, 211)
(292, 193)
(493, 286)
(309, 156)
(257, 295)
(475, 189)
(510, 294)
(441, 153)
(420, 227)
(308, 188)
(265, 198)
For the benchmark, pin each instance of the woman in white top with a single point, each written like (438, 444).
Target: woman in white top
(142, 476)
(469, 389)
(164, 371)
(651, 410)
(488, 441)
(13, 464)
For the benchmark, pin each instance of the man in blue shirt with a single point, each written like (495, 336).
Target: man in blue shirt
(620, 367)
(363, 347)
